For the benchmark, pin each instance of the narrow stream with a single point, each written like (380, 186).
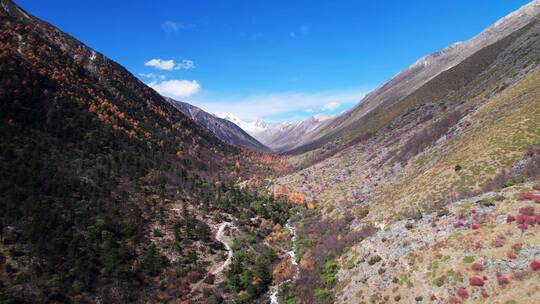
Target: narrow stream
(274, 289)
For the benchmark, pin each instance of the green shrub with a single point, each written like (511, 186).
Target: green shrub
(361, 212)
(374, 260)
(349, 264)
(291, 300)
(468, 259)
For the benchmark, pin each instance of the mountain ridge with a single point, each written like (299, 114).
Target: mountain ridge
(417, 74)
(280, 136)
(224, 129)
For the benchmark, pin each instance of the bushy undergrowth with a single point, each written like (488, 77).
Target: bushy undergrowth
(329, 238)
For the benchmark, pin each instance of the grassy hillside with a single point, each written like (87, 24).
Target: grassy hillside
(471, 130)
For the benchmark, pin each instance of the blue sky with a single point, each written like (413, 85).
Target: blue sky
(273, 60)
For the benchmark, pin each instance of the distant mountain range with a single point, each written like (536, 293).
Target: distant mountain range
(263, 136)
(226, 130)
(279, 136)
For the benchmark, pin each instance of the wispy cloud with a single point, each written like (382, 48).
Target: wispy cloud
(176, 88)
(185, 65)
(169, 65)
(173, 26)
(152, 76)
(272, 105)
(330, 106)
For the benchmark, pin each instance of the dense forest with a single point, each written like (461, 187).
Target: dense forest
(92, 162)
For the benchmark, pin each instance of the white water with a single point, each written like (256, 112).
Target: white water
(292, 253)
(274, 289)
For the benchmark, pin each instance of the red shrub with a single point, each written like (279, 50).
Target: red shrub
(537, 219)
(520, 218)
(527, 210)
(535, 265)
(502, 280)
(523, 227)
(510, 218)
(477, 267)
(458, 224)
(210, 278)
(476, 281)
(485, 294)
(193, 276)
(475, 226)
(498, 241)
(530, 220)
(462, 293)
(529, 197)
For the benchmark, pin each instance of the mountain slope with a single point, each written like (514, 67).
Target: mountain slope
(222, 128)
(281, 137)
(428, 180)
(109, 193)
(350, 126)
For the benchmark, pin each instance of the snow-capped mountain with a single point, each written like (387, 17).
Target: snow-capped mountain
(225, 129)
(254, 127)
(279, 136)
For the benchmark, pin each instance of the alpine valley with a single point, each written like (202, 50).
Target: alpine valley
(426, 191)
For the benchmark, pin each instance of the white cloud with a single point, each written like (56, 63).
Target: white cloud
(176, 88)
(185, 64)
(160, 64)
(268, 106)
(169, 65)
(147, 75)
(310, 110)
(173, 26)
(330, 106)
(152, 76)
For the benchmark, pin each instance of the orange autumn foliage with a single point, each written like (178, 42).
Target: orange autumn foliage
(296, 197)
